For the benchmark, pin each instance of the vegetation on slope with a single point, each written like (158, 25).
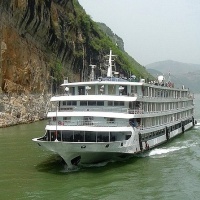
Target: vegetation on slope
(101, 39)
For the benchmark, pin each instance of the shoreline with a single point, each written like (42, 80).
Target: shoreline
(22, 109)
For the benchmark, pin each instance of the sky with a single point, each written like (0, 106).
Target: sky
(152, 30)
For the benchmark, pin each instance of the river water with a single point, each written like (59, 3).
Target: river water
(169, 172)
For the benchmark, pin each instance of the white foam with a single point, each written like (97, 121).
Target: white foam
(66, 169)
(198, 123)
(165, 150)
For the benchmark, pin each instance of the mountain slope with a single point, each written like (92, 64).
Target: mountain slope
(173, 67)
(180, 73)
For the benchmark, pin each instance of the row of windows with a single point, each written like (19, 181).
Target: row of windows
(165, 106)
(86, 136)
(151, 135)
(69, 103)
(93, 103)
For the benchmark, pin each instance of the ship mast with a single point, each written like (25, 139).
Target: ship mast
(109, 72)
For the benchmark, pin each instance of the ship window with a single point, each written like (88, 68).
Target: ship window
(90, 136)
(83, 103)
(92, 103)
(118, 103)
(110, 103)
(121, 103)
(100, 103)
(103, 137)
(115, 103)
(67, 118)
(74, 103)
(58, 135)
(110, 120)
(67, 136)
(54, 118)
(64, 103)
(78, 136)
(112, 136)
(69, 103)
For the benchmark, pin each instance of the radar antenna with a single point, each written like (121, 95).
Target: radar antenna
(92, 72)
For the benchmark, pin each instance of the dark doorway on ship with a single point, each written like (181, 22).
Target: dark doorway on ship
(81, 90)
(124, 92)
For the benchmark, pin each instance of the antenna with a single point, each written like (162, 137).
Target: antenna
(109, 72)
(92, 72)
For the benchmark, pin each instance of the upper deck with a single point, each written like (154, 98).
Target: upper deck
(112, 86)
(125, 90)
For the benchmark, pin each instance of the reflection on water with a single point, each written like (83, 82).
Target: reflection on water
(53, 164)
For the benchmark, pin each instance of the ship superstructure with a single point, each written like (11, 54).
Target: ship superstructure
(112, 117)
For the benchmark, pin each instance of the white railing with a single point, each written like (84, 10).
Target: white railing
(117, 110)
(90, 109)
(88, 123)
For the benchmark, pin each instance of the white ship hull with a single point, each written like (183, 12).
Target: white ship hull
(86, 153)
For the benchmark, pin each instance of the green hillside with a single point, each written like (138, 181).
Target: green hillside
(105, 40)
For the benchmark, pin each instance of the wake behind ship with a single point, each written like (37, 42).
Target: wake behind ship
(111, 117)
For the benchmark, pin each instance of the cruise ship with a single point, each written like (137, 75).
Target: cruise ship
(112, 117)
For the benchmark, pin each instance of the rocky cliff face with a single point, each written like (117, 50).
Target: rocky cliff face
(33, 41)
(35, 36)
(43, 41)
(18, 109)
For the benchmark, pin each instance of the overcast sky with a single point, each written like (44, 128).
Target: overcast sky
(152, 30)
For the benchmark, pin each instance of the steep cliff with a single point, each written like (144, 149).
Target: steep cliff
(43, 41)
(34, 43)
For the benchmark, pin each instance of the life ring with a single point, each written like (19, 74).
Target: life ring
(59, 123)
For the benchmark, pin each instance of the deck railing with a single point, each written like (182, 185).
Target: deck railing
(117, 110)
(88, 123)
(99, 109)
